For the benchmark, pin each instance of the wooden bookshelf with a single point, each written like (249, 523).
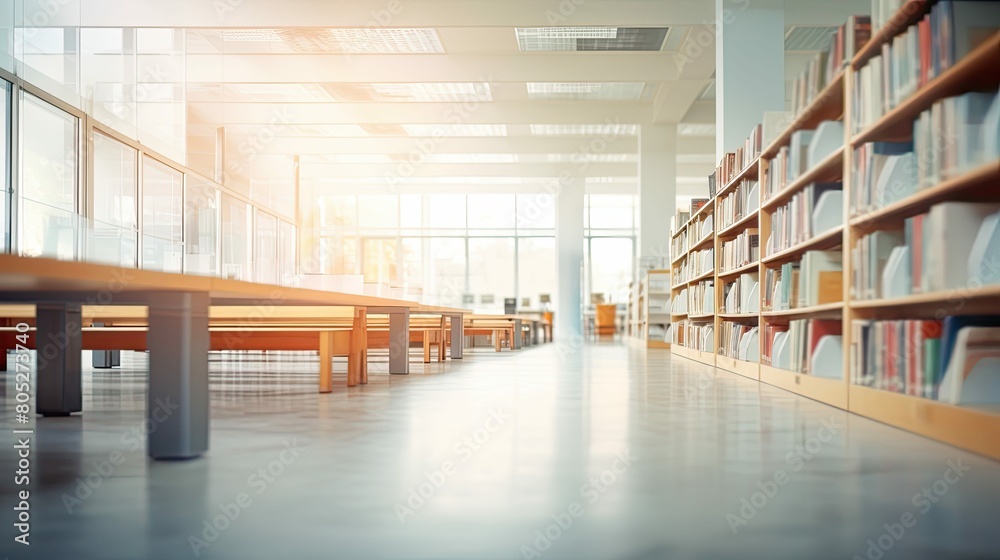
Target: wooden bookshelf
(979, 68)
(815, 311)
(752, 267)
(646, 308)
(827, 106)
(909, 13)
(825, 390)
(748, 172)
(968, 186)
(973, 429)
(703, 243)
(831, 168)
(748, 221)
(827, 240)
(700, 278)
(741, 367)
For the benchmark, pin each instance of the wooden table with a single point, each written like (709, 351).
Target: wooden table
(178, 333)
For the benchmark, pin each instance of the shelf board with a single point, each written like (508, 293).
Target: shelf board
(975, 430)
(828, 240)
(680, 286)
(741, 367)
(957, 300)
(740, 225)
(909, 13)
(832, 167)
(702, 243)
(737, 271)
(746, 173)
(739, 316)
(657, 344)
(706, 209)
(704, 276)
(672, 314)
(828, 105)
(967, 186)
(658, 293)
(692, 354)
(827, 309)
(679, 258)
(829, 391)
(702, 317)
(976, 69)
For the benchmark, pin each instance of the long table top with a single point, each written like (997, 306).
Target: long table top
(35, 279)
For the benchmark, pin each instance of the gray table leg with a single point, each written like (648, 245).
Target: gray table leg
(399, 342)
(516, 343)
(457, 336)
(59, 346)
(178, 402)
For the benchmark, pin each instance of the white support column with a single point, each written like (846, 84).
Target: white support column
(657, 188)
(750, 67)
(569, 254)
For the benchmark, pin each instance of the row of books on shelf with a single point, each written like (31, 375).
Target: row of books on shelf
(823, 67)
(741, 251)
(701, 298)
(955, 360)
(956, 135)
(805, 150)
(698, 263)
(817, 209)
(807, 346)
(739, 341)
(681, 218)
(922, 52)
(733, 163)
(815, 280)
(692, 234)
(845, 43)
(953, 246)
(744, 200)
(693, 335)
(743, 294)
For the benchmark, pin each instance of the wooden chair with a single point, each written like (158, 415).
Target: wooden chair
(605, 320)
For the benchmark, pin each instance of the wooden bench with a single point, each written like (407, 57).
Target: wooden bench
(178, 336)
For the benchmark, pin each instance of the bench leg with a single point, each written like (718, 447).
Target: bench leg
(442, 335)
(359, 340)
(363, 362)
(178, 400)
(457, 337)
(59, 346)
(427, 346)
(496, 338)
(326, 361)
(399, 342)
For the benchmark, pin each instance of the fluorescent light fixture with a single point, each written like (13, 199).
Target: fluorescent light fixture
(696, 129)
(250, 36)
(464, 130)
(384, 40)
(563, 87)
(434, 91)
(584, 129)
(568, 32)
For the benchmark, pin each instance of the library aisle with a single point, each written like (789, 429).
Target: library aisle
(599, 451)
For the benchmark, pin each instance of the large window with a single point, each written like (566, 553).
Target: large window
(4, 165)
(286, 251)
(438, 247)
(162, 217)
(236, 246)
(48, 221)
(266, 249)
(201, 225)
(114, 228)
(609, 228)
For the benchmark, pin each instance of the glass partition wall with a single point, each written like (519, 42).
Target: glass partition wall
(76, 189)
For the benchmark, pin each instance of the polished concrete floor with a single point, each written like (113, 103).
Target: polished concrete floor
(603, 451)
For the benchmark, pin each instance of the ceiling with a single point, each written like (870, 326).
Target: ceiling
(492, 92)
